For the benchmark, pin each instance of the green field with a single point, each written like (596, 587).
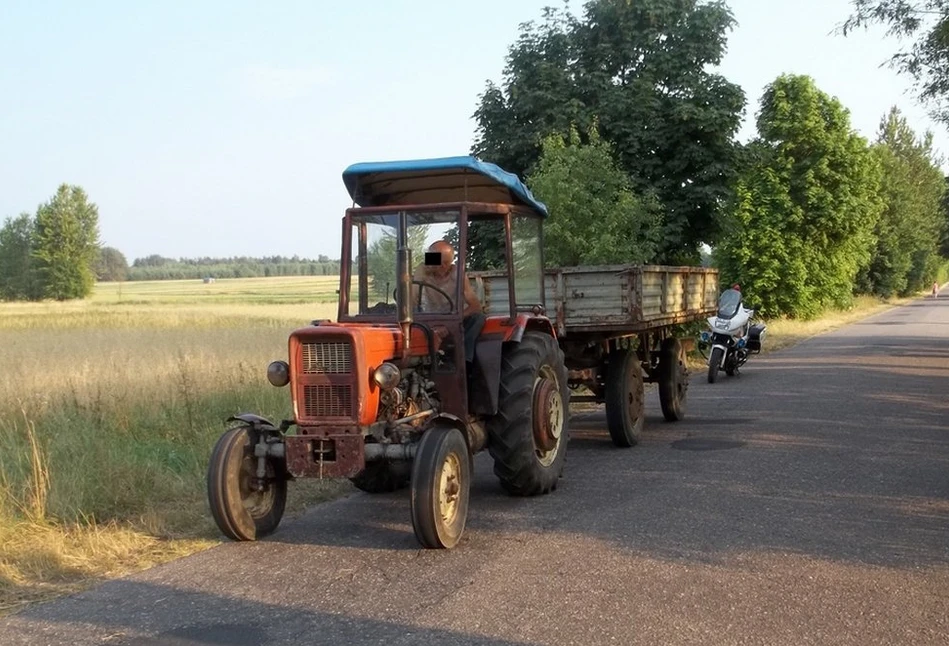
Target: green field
(109, 409)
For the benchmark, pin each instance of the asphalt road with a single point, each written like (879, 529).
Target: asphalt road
(804, 502)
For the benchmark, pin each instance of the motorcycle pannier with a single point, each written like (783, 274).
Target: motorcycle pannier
(755, 337)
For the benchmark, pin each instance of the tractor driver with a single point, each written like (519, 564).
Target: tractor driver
(444, 276)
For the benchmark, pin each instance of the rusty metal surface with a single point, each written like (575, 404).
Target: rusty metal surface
(325, 453)
(544, 438)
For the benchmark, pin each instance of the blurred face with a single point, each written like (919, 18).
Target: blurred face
(448, 257)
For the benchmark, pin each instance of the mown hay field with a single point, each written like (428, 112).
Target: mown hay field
(109, 409)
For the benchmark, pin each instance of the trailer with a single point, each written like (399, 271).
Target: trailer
(615, 325)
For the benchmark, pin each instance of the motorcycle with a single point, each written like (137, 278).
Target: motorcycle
(732, 337)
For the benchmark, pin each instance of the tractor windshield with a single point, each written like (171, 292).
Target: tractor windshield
(374, 241)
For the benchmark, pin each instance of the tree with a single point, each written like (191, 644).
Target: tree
(944, 239)
(381, 258)
(595, 218)
(111, 265)
(153, 260)
(18, 275)
(642, 71)
(927, 60)
(67, 243)
(910, 226)
(806, 204)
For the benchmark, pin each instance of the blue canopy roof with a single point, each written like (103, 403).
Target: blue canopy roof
(430, 181)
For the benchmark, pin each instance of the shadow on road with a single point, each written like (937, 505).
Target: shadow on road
(251, 621)
(839, 455)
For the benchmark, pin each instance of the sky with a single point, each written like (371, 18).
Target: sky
(221, 128)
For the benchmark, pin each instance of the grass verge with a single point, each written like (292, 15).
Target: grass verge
(108, 414)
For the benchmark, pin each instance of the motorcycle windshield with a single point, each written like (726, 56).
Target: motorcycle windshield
(728, 303)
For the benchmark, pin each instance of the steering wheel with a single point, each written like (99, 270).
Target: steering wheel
(451, 303)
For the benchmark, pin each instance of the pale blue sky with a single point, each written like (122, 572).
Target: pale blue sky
(221, 128)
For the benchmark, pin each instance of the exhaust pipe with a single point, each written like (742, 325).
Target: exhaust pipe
(403, 288)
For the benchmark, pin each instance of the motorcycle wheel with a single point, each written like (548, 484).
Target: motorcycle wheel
(714, 361)
(731, 365)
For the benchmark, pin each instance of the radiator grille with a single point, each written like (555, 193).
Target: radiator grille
(328, 401)
(327, 358)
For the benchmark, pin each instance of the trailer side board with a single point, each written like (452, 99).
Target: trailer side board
(613, 298)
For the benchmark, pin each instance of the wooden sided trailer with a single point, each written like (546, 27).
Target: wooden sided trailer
(615, 326)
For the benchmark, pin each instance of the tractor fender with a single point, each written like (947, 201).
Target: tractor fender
(258, 423)
(485, 376)
(476, 437)
(512, 328)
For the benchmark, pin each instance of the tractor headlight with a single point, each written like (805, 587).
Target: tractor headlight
(278, 373)
(387, 376)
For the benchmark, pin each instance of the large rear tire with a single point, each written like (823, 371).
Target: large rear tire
(529, 435)
(673, 379)
(383, 477)
(441, 482)
(714, 363)
(242, 510)
(625, 397)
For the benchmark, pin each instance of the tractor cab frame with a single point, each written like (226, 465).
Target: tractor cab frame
(405, 386)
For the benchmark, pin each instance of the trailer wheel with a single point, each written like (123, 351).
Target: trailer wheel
(441, 480)
(714, 363)
(624, 398)
(382, 477)
(673, 380)
(244, 508)
(529, 435)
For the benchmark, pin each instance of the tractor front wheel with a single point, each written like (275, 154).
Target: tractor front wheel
(441, 481)
(244, 506)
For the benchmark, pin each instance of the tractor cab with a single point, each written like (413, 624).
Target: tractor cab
(490, 219)
(416, 232)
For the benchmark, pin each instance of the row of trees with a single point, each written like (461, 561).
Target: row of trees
(158, 268)
(620, 124)
(819, 213)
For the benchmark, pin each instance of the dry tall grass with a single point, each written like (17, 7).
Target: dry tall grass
(108, 412)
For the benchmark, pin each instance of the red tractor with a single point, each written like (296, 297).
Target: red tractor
(412, 379)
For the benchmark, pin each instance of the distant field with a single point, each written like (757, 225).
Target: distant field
(109, 409)
(281, 290)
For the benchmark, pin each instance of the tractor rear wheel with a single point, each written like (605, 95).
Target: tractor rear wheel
(624, 397)
(244, 507)
(673, 379)
(441, 481)
(529, 434)
(382, 477)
